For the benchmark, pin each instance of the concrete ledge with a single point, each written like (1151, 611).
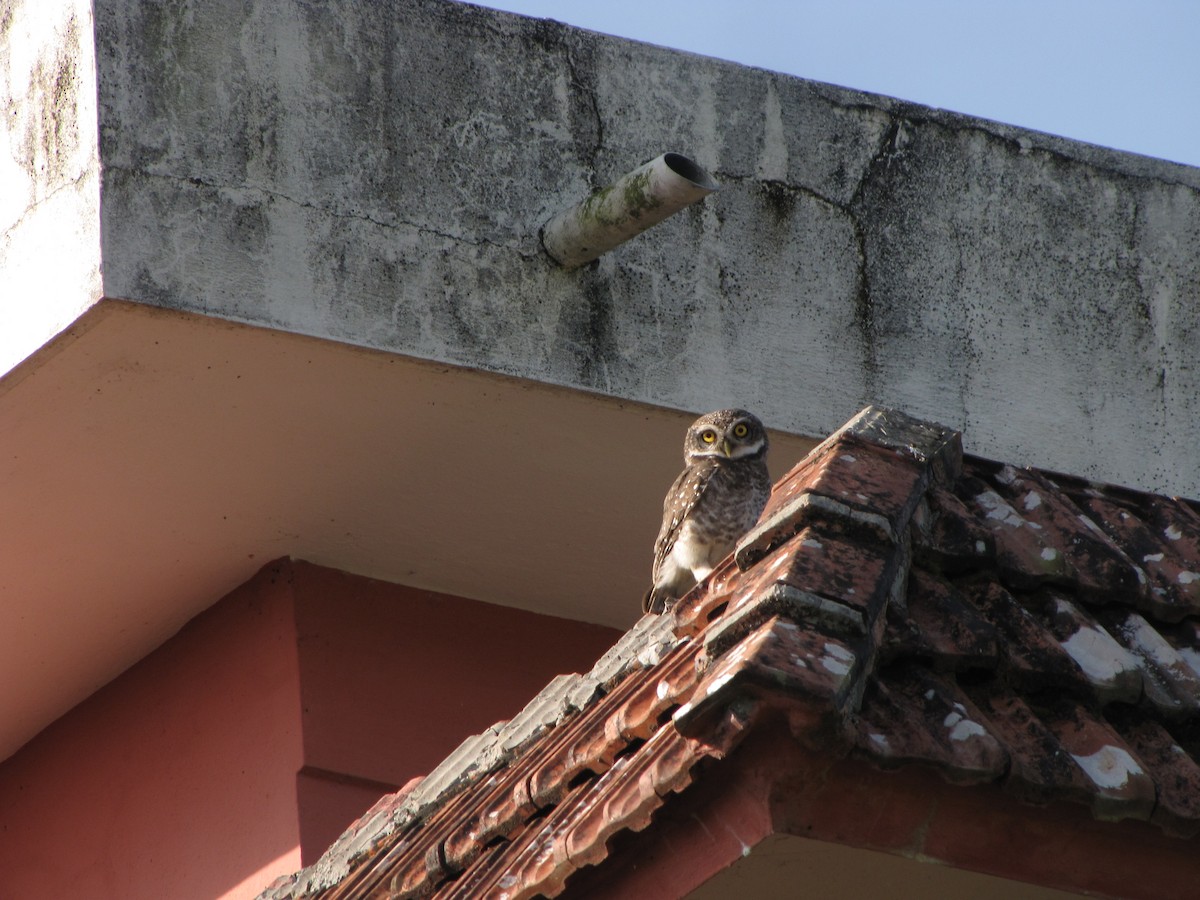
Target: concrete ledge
(377, 174)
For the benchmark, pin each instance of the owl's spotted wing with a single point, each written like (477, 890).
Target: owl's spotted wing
(681, 499)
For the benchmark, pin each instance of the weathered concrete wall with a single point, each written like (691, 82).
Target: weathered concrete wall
(377, 172)
(49, 172)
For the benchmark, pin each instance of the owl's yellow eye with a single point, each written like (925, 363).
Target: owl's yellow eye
(708, 436)
(740, 430)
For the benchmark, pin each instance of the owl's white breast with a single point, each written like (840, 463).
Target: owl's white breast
(692, 550)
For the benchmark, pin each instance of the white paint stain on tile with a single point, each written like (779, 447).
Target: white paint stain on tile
(846, 457)
(837, 659)
(1032, 501)
(812, 543)
(1152, 557)
(961, 727)
(1187, 577)
(1191, 656)
(834, 666)
(981, 547)
(1172, 533)
(663, 690)
(1006, 475)
(880, 741)
(1149, 644)
(1100, 657)
(995, 508)
(966, 729)
(1049, 553)
(1109, 767)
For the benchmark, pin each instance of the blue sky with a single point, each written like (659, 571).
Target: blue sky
(1120, 73)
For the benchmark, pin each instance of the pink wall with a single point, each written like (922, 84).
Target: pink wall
(175, 780)
(267, 724)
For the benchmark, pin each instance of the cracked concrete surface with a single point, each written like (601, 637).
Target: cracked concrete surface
(377, 173)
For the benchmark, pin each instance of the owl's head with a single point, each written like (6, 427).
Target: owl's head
(726, 433)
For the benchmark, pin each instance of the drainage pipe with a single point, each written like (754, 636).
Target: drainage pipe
(625, 208)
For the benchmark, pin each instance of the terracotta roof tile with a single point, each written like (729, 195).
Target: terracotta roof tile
(898, 603)
(1170, 683)
(916, 716)
(1161, 538)
(1032, 659)
(1114, 673)
(1175, 774)
(1040, 769)
(938, 625)
(1117, 782)
(816, 671)
(1042, 537)
(949, 535)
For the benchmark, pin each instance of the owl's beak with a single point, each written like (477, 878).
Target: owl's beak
(725, 447)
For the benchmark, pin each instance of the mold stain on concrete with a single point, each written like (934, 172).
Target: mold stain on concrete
(52, 129)
(586, 328)
(780, 200)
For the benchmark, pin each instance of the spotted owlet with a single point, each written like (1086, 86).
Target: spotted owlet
(714, 501)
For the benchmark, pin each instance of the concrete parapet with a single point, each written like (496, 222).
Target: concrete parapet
(377, 173)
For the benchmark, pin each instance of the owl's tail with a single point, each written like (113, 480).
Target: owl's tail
(656, 601)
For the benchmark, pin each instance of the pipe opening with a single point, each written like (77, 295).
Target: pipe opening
(692, 171)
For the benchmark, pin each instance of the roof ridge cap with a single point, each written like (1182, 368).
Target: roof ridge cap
(929, 442)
